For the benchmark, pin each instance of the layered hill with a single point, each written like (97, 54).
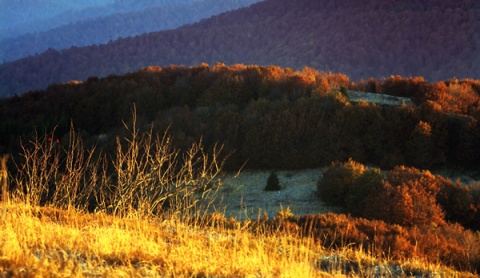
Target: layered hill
(102, 28)
(360, 38)
(23, 16)
(32, 16)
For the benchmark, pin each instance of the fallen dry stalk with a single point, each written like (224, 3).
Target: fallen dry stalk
(4, 178)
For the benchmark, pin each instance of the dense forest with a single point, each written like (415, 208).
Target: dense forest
(86, 32)
(362, 39)
(271, 117)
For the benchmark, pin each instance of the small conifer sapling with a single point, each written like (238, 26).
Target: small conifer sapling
(273, 183)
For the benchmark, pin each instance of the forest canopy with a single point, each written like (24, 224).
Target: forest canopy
(269, 117)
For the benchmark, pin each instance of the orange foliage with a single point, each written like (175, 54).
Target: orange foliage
(408, 198)
(455, 97)
(393, 204)
(449, 244)
(403, 87)
(402, 175)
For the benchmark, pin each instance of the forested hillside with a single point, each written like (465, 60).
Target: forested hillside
(270, 117)
(363, 39)
(123, 23)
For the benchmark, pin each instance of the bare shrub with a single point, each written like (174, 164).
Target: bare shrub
(150, 176)
(76, 181)
(39, 166)
(146, 176)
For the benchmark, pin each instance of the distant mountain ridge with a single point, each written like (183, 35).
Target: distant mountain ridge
(88, 32)
(20, 17)
(437, 40)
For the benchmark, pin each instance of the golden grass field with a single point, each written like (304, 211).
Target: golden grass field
(40, 242)
(47, 241)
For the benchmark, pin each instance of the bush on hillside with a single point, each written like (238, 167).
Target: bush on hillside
(408, 197)
(337, 180)
(368, 183)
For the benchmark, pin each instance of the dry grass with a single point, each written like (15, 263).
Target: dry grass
(37, 241)
(47, 241)
(133, 234)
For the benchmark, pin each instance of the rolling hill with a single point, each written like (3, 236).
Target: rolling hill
(23, 16)
(123, 22)
(33, 16)
(360, 38)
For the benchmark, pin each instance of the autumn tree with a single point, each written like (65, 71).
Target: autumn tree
(392, 204)
(404, 87)
(407, 198)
